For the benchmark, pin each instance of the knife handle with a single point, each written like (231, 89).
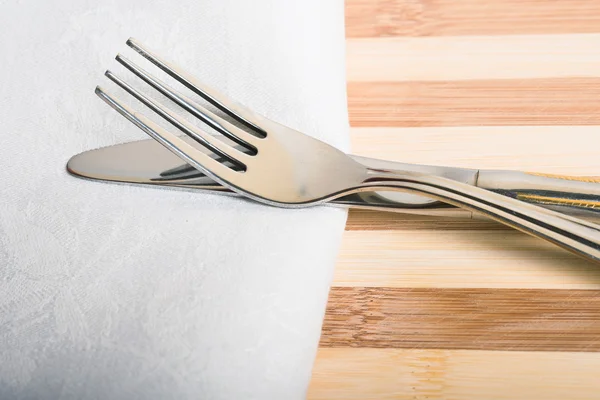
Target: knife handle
(560, 192)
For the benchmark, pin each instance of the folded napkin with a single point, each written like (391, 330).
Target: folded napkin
(122, 292)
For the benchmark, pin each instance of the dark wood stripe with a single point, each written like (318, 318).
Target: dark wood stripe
(560, 101)
(480, 319)
(376, 18)
(360, 220)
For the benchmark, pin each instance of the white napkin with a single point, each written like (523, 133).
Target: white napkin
(120, 292)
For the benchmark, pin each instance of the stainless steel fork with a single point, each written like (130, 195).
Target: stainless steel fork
(280, 166)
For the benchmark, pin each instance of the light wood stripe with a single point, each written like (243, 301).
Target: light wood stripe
(375, 18)
(361, 220)
(473, 57)
(387, 374)
(562, 101)
(477, 319)
(416, 258)
(565, 150)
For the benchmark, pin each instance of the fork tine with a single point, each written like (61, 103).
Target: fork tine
(233, 109)
(226, 128)
(178, 146)
(212, 143)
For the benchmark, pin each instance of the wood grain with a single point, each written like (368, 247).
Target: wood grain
(380, 18)
(360, 220)
(569, 150)
(505, 84)
(462, 258)
(473, 57)
(490, 319)
(560, 101)
(387, 374)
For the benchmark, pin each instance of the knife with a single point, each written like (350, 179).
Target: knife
(146, 162)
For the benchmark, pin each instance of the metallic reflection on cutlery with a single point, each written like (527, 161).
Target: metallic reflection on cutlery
(147, 162)
(285, 168)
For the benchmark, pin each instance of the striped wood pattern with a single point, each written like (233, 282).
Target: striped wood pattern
(475, 319)
(433, 308)
(434, 374)
(550, 101)
(380, 18)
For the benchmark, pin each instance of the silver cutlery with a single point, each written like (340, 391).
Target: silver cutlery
(147, 162)
(286, 168)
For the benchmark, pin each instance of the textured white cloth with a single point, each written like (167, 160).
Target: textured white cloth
(122, 292)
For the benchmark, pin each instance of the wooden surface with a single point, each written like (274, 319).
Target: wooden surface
(431, 308)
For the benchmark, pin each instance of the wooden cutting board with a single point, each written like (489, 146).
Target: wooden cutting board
(430, 308)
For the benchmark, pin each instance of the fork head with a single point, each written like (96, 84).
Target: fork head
(260, 158)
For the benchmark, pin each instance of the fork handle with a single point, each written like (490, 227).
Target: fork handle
(576, 235)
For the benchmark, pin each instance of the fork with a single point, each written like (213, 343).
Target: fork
(279, 166)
